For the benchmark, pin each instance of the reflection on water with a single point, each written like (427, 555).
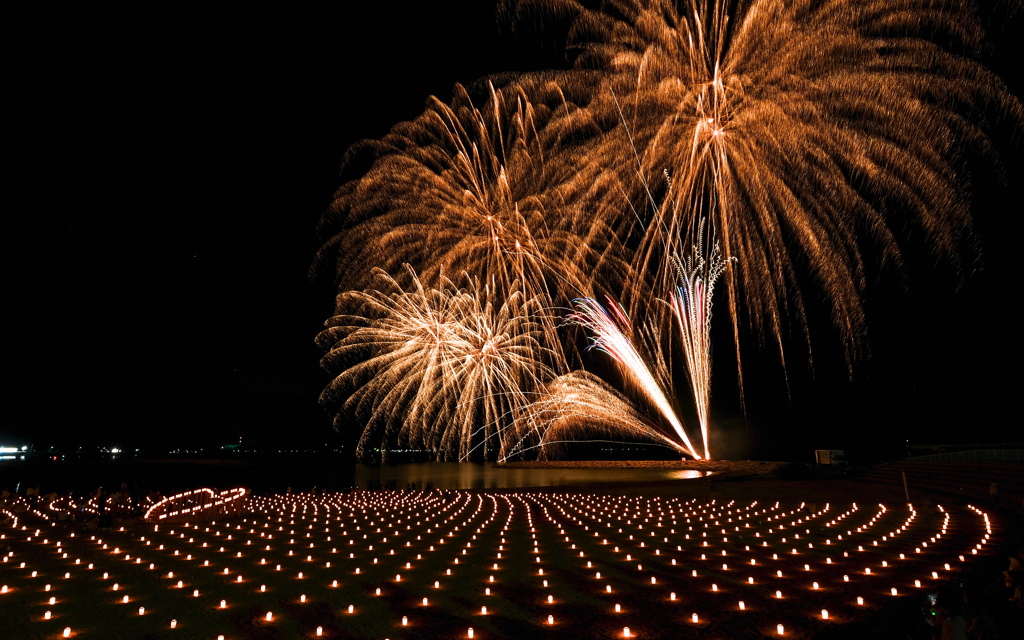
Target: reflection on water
(469, 475)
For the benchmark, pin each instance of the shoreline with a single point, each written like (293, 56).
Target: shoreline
(719, 467)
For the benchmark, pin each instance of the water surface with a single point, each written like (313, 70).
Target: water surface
(470, 475)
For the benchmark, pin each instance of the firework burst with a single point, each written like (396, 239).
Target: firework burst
(442, 369)
(490, 191)
(798, 128)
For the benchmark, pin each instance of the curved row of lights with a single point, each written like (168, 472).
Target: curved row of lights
(180, 503)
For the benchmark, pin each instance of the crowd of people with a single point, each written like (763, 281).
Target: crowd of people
(97, 509)
(986, 607)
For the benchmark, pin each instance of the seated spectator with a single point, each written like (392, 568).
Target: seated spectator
(948, 621)
(1013, 578)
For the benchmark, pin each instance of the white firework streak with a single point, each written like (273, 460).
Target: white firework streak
(606, 326)
(691, 304)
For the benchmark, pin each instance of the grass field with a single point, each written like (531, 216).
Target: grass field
(544, 564)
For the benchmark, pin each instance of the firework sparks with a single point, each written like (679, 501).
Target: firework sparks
(796, 129)
(581, 406)
(444, 369)
(691, 306)
(610, 326)
(487, 191)
(793, 127)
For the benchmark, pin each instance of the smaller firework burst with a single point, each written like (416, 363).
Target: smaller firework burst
(442, 369)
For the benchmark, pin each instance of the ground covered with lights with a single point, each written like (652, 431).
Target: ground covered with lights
(460, 564)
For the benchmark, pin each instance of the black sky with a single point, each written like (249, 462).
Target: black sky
(170, 168)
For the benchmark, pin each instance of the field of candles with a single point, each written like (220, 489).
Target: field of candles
(469, 564)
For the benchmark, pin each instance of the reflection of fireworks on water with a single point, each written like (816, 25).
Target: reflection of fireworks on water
(691, 305)
(613, 334)
(441, 369)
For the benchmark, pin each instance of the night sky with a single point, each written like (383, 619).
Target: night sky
(169, 170)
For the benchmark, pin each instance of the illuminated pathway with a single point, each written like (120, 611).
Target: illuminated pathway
(504, 564)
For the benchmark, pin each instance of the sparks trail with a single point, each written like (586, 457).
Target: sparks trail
(612, 333)
(691, 305)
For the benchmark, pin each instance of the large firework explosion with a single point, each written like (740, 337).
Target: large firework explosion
(802, 132)
(799, 127)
